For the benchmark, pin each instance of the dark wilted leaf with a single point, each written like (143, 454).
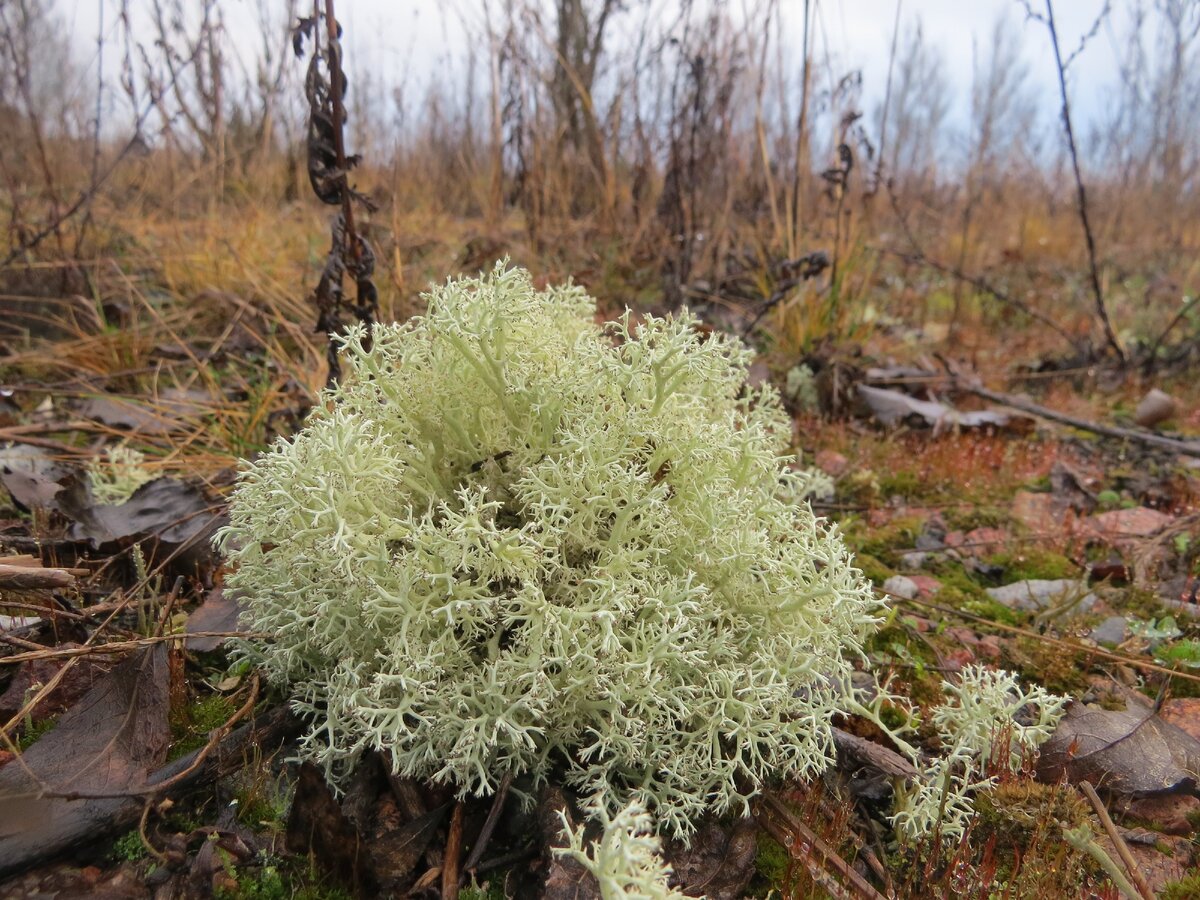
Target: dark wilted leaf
(317, 826)
(216, 613)
(396, 845)
(128, 415)
(170, 510)
(1129, 751)
(718, 864)
(32, 476)
(108, 743)
(77, 681)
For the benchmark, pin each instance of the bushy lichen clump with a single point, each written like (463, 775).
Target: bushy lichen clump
(514, 540)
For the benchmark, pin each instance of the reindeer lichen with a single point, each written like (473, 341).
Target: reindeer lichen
(513, 540)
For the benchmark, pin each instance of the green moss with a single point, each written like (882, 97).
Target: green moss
(1034, 563)
(1143, 603)
(1186, 888)
(772, 868)
(887, 543)
(877, 573)
(1051, 665)
(490, 889)
(904, 484)
(277, 879)
(190, 726)
(30, 735)
(1021, 821)
(968, 518)
(128, 847)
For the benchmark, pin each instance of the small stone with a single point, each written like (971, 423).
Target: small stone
(914, 560)
(1154, 408)
(831, 462)
(1036, 512)
(985, 541)
(1183, 713)
(958, 659)
(1141, 521)
(1169, 813)
(1038, 594)
(1112, 631)
(954, 539)
(990, 647)
(927, 585)
(901, 586)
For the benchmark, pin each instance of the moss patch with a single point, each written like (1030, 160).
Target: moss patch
(1034, 563)
(190, 725)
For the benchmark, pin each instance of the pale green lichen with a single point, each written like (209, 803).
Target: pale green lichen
(625, 860)
(801, 388)
(116, 476)
(515, 541)
(987, 715)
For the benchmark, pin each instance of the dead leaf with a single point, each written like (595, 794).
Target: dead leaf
(106, 744)
(167, 508)
(216, 613)
(718, 864)
(317, 826)
(1130, 751)
(32, 476)
(79, 679)
(117, 412)
(566, 878)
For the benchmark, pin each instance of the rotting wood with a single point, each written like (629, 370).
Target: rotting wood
(23, 578)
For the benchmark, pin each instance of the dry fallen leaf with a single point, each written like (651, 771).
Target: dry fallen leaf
(1129, 751)
(106, 744)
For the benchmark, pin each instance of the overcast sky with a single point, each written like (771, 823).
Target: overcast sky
(406, 40)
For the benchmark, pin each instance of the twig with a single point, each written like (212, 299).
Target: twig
(1044, 638)
(1131, 865)
(805, 845)
(1185, 448)
(116, 646)
(1081, 192)
(149, 847)
(450, 871)
(489, 824)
